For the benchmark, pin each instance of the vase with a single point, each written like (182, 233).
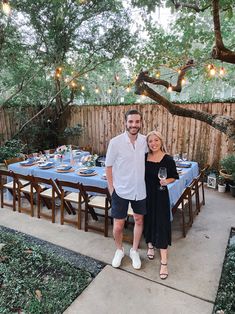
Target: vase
(221, 188)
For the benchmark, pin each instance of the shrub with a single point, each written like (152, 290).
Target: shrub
(11, 149)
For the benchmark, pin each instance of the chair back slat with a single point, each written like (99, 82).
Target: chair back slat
(13, 160)
(64, 187)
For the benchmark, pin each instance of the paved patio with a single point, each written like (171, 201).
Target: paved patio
(195, 263)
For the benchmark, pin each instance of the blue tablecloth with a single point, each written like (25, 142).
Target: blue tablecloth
(175, 189)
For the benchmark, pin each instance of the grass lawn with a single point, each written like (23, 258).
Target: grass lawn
(35, 280)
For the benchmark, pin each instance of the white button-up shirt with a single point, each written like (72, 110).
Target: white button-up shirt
(128, 166)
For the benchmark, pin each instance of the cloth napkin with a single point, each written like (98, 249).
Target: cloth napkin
(65, 168)
(27, 162)
(182, 164)
(87, 171)
(47, 164)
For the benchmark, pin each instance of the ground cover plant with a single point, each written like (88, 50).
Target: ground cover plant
(225, 300)
(34, 280)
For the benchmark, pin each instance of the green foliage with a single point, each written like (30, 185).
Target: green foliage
(36, 281)
(228, 164)
(221, 180)
(74, 131)
(40, 136)
(12, 148)
(225, 299)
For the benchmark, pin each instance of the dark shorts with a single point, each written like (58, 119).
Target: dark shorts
(120, 206)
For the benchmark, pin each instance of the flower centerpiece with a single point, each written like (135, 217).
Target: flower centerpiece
(62, 150)
(89, 161)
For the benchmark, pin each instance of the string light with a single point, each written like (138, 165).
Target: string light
(82, 87)
(86, 75)
(169, 89)
(6, 7)
(58, 72)
(158, 74)
(222, 71)
(110, 90)
(128, 89)
(179, 71)
(183, 81)
(73, 84)
(212, 70)
(97, 90)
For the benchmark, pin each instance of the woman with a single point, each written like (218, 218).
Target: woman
(157, 225)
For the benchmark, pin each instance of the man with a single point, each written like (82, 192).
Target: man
(125, 168)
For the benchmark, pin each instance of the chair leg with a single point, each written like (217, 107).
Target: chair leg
(86, 218)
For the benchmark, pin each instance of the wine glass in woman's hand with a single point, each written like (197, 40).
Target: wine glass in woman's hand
(162, 175)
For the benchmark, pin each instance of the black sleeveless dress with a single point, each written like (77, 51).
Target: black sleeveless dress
(157, 224)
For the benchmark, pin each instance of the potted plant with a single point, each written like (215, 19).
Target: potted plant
(228, 171)
(221, 184)
(232, 185)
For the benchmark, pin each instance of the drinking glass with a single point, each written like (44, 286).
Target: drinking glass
(162, 175)
(176, 157)
(185, 156)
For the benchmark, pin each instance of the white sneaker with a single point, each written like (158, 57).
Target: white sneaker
(136, 262)
(119, 254)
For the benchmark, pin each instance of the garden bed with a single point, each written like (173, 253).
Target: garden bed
(39, 277)
(225, 299)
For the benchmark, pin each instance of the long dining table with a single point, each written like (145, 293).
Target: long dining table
(175, 189)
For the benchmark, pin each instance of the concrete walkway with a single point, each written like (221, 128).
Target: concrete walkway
(195, 263)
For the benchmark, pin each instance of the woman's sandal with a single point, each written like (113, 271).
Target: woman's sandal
(150, 256)
(163, 276)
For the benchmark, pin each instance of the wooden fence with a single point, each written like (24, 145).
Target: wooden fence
(202, 142)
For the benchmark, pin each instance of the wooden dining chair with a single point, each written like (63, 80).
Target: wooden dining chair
(26, 191)
(8, 183)
(47, 194)
(198, 190)
(97, 199)
(10, 161)
(87, 148)
(184, 206)
(70, 199)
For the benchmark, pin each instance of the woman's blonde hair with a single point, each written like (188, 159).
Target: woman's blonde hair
(159, 135)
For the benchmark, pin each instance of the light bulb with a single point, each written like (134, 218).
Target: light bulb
(183, 81)
(169, 89)
(212, 71)
(6, 7)
(222, 71)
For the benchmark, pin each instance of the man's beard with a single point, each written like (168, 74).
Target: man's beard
(133, 131)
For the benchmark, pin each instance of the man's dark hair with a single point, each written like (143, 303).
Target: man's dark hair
(132, 111)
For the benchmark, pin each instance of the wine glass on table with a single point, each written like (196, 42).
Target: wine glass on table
(162, 175)
(185, 156)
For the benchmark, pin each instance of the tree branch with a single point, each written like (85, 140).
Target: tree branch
(193, 6)
(143, 76)
(219, 51)
(22, 85)
(224, 124)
